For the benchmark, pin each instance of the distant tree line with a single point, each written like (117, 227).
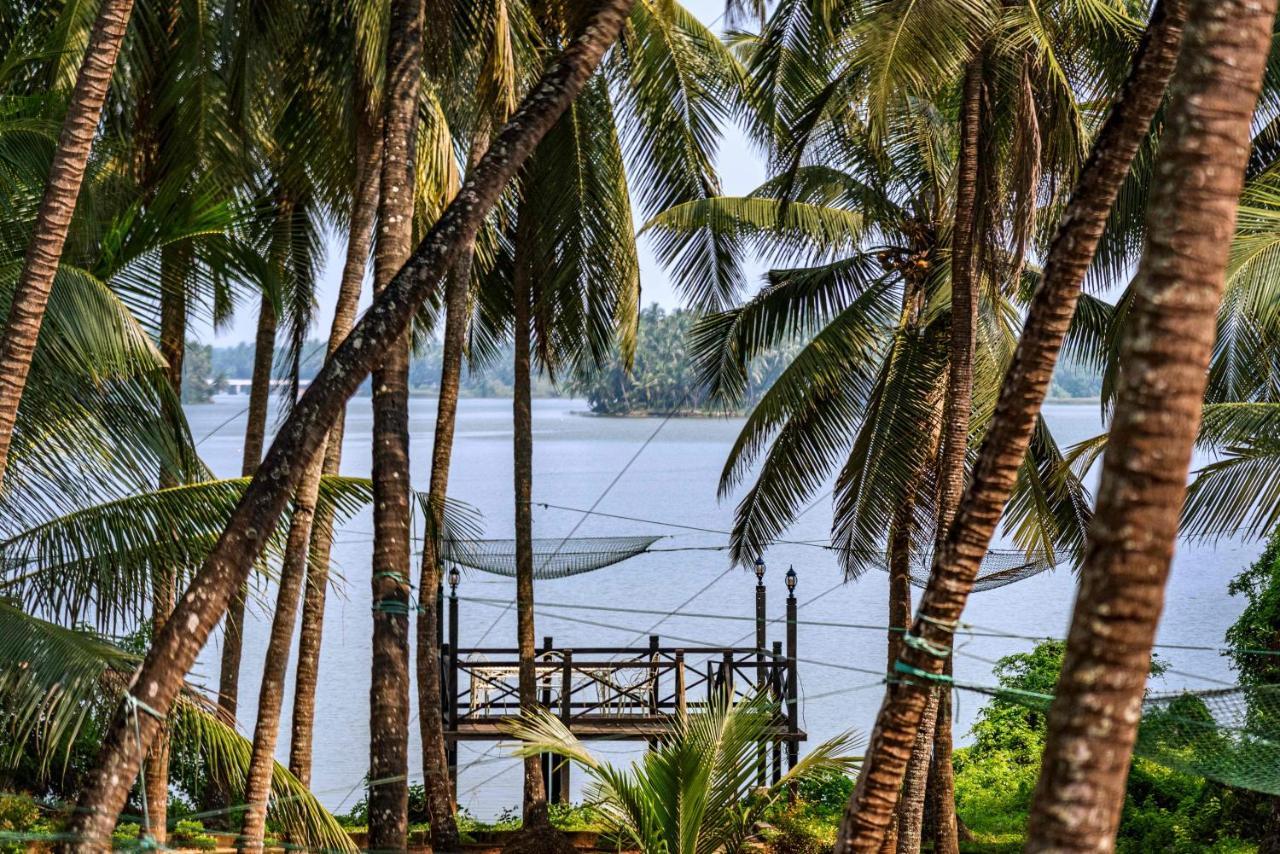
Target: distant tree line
(660, 381)
(493, 379)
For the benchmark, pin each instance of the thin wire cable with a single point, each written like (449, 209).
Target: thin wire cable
(591, 511)
(220, 426)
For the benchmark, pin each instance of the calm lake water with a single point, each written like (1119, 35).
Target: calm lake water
(673, 479)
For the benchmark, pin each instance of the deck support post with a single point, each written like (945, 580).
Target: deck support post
(760, 671)
(449, 693)
(682, 706)
(566, 716)
(775, 690)
(793, 704)
(549, 780)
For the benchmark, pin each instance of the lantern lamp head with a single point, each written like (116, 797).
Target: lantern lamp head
(791, 579)
(454, 577)
(760, 569)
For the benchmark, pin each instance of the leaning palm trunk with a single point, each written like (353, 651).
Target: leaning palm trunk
(955, 565)
(271, 695)
(264, 347)
(955, 432)
(435, 754)
(173, 332)
(535, 795)
(392, 512)
(300, 437)
(53, 219)
(1167, 344)
(364, 206)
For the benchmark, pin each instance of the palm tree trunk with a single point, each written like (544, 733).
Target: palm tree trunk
(1093, 721)
(910, 829)
(392, 512)
(364, 206)
(435, 753)
(955, 427)
(300, 437)
(173, 332)
(53, 219)
(899, 606)
(955, 566)
(264, 350)
(535, 795)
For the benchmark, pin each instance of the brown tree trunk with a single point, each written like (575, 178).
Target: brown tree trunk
(955, 566)
(535, 795)
(364, 206)
(266, 731)
(264, 350)
(914, 781)
(899, 607)
(435, 753)
(302, 434)
(1199, 173)
(276, 661)
(392, 511)
(173, 332)
(53, 219)
(955, 428)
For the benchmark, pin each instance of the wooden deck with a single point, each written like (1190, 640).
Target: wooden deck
(633, 693)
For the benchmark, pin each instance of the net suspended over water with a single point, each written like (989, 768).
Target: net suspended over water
(552, 557)
(998, 568)
(1230, 735)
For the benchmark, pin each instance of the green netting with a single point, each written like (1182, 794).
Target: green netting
(552, 557)
(999, 567)
(1229, 735)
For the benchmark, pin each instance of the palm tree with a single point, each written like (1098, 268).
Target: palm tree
(62, 189)
(367, 152)
(695, 790)
(672, 80)
(389, 691)
(1166, 351)
(955, 565)
(299, 437)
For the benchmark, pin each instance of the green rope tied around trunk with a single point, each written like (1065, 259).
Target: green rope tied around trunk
(916, 642)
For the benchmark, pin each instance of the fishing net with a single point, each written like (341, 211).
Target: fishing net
(1230, 735)
(998, 568)
(552, 557)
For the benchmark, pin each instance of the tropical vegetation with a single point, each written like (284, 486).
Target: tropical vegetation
(954, 190)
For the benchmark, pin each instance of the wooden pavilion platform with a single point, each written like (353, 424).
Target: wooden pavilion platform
(631, 693)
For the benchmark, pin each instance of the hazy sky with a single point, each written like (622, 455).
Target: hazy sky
(740, 171)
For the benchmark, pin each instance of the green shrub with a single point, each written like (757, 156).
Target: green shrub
(191, 834)
(801, 829)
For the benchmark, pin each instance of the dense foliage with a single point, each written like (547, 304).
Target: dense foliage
(1164, 809)
(662, 379)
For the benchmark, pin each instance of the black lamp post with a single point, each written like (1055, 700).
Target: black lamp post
(449, 682)
(793, 697)
(761, 640)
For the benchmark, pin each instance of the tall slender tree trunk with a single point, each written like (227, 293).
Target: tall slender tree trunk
(53, 218)
(364, 206)
(392, 511)
(173, 332)
(535, 795)
(955, 566)
(264, 351)
(300, 437)
(899, 606)
(955, 424)
(280, 641)
(435, 754)
(1199, 173)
